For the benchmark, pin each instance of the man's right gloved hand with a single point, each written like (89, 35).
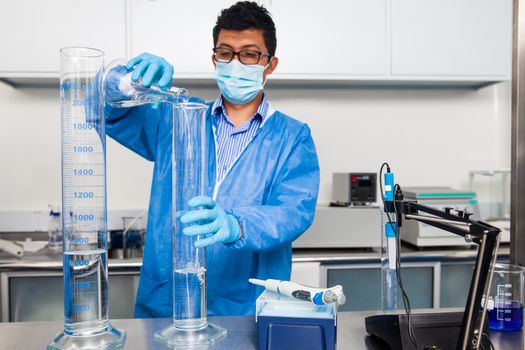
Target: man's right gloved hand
(151, 69)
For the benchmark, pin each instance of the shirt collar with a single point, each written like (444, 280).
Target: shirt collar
(262, 110)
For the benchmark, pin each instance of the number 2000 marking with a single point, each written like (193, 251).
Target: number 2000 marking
(80, 240)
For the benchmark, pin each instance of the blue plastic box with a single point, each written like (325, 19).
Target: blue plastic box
(289, 324)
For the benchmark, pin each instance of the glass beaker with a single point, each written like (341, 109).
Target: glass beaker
(505, 304)
(121, 91)
(84, 212)
(133, 233)
(189, 179)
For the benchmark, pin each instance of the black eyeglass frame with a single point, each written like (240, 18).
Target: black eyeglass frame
(238, 54)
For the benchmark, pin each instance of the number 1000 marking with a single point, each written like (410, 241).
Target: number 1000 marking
(84, 217)
(82, 149)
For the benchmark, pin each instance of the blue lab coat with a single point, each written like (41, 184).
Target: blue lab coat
(271, 189)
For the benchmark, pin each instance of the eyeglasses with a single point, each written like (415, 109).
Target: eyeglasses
(248, 57)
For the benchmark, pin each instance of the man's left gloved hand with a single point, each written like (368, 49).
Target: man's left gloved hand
(211, 220)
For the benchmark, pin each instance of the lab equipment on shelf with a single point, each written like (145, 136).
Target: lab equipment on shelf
(288, 323)
(133, 235)
(342, 227)
(84, 212)
(189, 168)
(493, 190)
(54, 229)
(11, 248)
(354, 188)
(439, 197)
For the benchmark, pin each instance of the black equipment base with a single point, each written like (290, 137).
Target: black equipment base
(434, 331)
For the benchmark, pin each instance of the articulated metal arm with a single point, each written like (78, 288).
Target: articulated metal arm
(483, 234)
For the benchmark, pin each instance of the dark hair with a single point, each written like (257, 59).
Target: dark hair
(247, 15)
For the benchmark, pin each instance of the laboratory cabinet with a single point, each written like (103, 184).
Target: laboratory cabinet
(309, 35)
(362, 285)
(377, 42)
(429, 284)
(39, 295)
(451, 38)
(383, 42)
(330, 39)
(33, 32)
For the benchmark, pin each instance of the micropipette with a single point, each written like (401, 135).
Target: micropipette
(318, 296)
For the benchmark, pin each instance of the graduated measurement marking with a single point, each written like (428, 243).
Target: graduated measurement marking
(503, 301)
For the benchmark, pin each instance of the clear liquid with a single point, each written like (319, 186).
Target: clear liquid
(85, 291)
(189, 295)
(389, 295)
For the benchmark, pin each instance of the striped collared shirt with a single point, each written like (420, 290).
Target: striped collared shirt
(231, 141)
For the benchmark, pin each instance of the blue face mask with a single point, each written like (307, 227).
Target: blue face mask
(239, 83)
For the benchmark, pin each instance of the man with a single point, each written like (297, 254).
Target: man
(264, 165)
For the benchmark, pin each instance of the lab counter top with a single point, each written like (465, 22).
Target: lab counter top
(242, 334)
(44, 259)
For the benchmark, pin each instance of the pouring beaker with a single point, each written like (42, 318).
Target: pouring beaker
(121, 91)
(505, 304)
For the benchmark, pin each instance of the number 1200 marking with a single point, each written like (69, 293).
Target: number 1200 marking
(83, 194)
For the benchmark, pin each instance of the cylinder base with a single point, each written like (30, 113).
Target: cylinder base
(175, 337)
(111, 339)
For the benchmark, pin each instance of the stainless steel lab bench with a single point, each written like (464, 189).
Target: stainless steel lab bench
(242, 334)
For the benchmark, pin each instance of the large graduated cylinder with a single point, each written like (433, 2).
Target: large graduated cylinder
(189, 179)
(84, 212)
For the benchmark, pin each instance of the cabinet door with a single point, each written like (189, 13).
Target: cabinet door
(327, 39)
(455, 284)
(180, 31)
(34, 31)
(40, 296)
(451, 38)
(362, 286)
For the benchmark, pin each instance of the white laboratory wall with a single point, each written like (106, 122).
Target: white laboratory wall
(429, 136)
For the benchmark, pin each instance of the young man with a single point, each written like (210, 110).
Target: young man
(264, 164)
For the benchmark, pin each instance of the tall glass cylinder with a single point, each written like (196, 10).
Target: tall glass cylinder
(189, 174)
(84, 212)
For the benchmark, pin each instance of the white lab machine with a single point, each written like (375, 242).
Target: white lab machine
(343, 227)
(493, 190)
(423, 235)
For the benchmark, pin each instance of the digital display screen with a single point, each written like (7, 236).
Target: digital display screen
(364, 183)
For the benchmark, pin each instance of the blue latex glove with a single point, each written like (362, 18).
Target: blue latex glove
(152, 69)
(212, 220)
